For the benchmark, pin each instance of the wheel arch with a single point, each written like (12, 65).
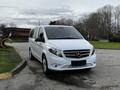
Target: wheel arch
(43, 55)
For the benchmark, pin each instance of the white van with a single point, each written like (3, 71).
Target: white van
(60, 48)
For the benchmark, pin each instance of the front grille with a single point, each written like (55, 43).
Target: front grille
(77, 53)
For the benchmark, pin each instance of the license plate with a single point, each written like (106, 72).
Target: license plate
(78, 63)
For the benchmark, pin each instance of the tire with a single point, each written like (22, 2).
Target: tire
(45, 69)
(31, 57)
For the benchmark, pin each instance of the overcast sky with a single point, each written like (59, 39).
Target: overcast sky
(30, 12)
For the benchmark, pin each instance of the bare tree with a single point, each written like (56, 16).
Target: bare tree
(117, 18)
(4, 32)
(106, 19)
(97, 25)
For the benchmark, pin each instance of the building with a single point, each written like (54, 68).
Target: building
(21, 33)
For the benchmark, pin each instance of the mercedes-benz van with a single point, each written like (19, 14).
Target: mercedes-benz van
(60, 48)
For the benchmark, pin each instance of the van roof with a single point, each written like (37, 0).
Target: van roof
(53, 26)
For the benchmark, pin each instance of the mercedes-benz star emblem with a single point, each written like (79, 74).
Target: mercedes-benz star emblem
(78, 54)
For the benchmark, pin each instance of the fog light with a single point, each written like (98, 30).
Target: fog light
(56, 65)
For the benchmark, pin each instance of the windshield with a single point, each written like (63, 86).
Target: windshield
(62, 33)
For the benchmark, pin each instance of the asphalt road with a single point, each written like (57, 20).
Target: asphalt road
(106, 76)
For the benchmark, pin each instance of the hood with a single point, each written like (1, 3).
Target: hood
(70, 44)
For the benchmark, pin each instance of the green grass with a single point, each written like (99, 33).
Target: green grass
(108, 45)
(9, 59)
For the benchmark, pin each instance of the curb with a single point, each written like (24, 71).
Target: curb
(19, 67)
(16, 70)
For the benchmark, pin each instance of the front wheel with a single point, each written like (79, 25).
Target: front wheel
(45, 65)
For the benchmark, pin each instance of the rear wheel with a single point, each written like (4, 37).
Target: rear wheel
(45, 65)
(31, 57)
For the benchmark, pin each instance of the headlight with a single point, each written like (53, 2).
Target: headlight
(93, 51)
(55, 52)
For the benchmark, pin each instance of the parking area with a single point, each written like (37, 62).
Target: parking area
(106, 76)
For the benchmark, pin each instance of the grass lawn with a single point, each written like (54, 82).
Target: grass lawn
(109, 45)
(8, 59)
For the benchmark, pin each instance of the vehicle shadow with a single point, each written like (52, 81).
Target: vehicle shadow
(79, 78)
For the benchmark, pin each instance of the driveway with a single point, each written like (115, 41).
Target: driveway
(106, 76)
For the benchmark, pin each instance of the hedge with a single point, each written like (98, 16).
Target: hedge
(115, 38)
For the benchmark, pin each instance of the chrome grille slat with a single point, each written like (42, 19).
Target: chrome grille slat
(73, 53)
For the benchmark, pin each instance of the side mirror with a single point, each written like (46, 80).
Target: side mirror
(38, 39)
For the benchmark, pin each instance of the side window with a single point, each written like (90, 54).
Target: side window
(31, 33)
(39, 32)
(35, 33)
(41, 35)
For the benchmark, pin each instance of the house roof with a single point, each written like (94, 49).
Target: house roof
(20, 29)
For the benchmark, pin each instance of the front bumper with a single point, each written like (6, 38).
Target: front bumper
(61, 64)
